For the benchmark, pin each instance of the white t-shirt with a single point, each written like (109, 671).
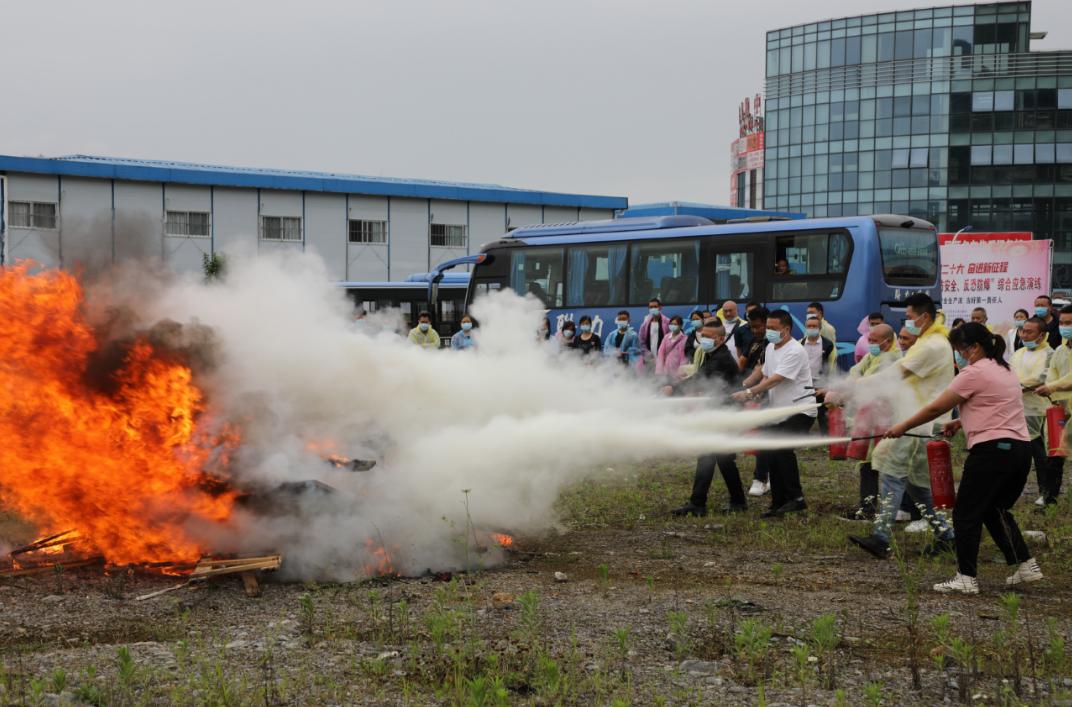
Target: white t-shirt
(791, 362)
(654, 331)
(730, 343)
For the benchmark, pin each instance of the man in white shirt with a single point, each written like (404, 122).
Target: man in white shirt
(786, 379)
(731, 321)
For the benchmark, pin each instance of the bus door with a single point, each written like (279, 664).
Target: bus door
(734, 270)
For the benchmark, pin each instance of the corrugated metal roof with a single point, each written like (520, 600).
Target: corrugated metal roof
(295, 180)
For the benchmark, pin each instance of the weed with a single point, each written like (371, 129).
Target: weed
(58, 680)
(125, 668)
(873, 694)
(803, 670)
(825, 638)
(307, 615)
(751, 647)
(679, 637)
(603, 572)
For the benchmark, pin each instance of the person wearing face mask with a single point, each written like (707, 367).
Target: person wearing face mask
(822, 358)
(1013, 342)
(423, 334)
(728, 315)
(463, 338)
(1044, 311)
(882, 352)
(999, 455)
(826, 329)
(1059, 389)
(567, 333)
(1031, 364)
(655, 326)
(587, 340)
(671, 354)
(786, 379)
(622, 342)
(713, 373)
(692, 331)
(926, 370)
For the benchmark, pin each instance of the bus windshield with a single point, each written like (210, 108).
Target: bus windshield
(909, 255)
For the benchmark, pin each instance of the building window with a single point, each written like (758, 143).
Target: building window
(193, 224)
(447, 235)
(280, 228)
(368, 231)
(32, 214)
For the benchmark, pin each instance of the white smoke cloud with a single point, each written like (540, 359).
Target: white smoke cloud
(503, 427)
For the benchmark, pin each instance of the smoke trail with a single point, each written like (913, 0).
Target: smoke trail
(503, 427)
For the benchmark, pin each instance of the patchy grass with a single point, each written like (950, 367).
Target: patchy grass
(656, 610)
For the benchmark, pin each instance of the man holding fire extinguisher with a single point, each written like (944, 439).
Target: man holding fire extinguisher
(1031, 364)
(990, 401)
(1059, 389)
(927, 368)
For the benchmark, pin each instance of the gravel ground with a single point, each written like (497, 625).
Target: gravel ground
(644, 610)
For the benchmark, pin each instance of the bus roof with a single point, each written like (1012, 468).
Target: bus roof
(419, 280)
(715, 212)
(626, 234)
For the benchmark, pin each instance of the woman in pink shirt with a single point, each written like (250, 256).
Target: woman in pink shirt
(671, 350)
(999, 454)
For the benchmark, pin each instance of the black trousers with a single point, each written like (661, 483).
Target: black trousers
(705, 473)
(1055, 474)
(761, 473)
(782, 463)
(995, 473)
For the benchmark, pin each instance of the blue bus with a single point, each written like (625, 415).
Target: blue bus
(416, 294)
(852, 265)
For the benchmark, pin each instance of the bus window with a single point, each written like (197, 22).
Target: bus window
(909, 256)
(596, 276)
(667, 270)
(818, 263)
(538, 272)
(734, 275)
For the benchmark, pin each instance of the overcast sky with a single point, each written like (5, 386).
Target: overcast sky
(630, 98)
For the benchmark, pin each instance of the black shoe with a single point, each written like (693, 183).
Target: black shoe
(873, 544)
(735, 508)
(690, 510)
(938, 548)
(771, 512)
(792, 507)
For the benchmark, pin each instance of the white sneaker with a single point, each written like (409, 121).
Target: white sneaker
(918, 526)
(960, 583)
(902, 516)
(1027, 572)
(758, 488)
(1040, 501)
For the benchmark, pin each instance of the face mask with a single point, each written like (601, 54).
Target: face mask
(961, 361)
(623, 324)
(1030, 345)
(675, 328)
(1019, 323)
(1066, 332)
(586, 328)
(707, 344)
(466, 326)
(813, 333)
(423, 326)
(912, 327)
(773, 337)
(1042, 311)
(654, 311)
(568, 333)
(874, 349)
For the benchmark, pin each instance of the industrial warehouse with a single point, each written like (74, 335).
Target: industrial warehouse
(91, 211)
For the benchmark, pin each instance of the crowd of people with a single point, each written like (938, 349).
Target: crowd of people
(995, 387)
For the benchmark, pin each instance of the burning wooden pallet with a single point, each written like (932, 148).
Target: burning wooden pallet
(208, 567)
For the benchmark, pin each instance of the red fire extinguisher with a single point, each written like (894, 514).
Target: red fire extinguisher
(940, 463)
(835, 420)
(862, 432)
(1056, 419)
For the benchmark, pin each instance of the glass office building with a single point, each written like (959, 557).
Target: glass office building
(942, 113)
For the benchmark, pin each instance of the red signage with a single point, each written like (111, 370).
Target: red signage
(983, 237)
(750, 116)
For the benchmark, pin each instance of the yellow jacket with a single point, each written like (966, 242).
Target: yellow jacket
(870, 365)
(425, 339)
(1060, 371)
(1031, 368)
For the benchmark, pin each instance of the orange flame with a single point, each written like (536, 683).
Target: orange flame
(125, 467)
(503, 539)
(379, 561)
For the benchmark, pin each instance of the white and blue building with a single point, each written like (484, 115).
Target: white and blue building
(85, 211)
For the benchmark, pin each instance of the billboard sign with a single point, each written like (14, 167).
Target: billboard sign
(1000, 276)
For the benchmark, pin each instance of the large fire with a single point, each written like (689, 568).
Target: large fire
(122, 463)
